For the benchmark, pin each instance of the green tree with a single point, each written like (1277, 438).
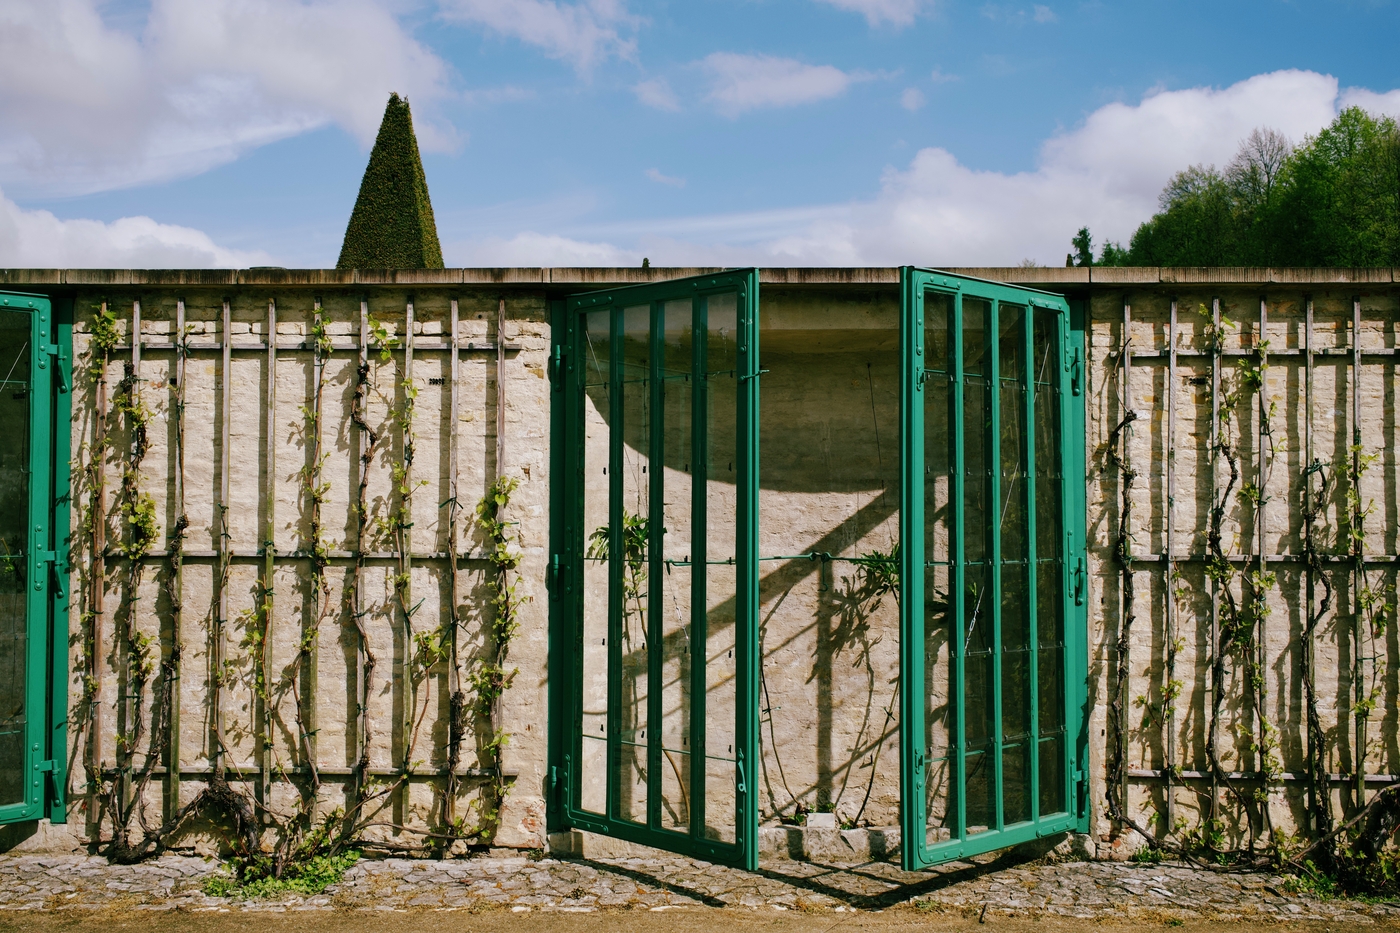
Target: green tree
(1342, 197)
(392, 225)
(1083, 243)
(1333, 201)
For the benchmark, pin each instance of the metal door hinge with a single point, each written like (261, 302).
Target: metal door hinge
(557, 367)
(1076, 372)
(47, 765)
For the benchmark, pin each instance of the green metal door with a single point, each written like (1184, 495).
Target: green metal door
(33, 607)
(654, 644)
(992, 581)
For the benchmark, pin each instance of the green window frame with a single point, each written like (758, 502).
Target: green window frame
(34, 579)
(654, 586)
(993, 624)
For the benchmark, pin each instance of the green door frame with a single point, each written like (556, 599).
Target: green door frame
(46, 558)
(916, 758)
(569, 543)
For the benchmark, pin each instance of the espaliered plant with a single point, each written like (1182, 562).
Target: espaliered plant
(1118, 460)
(490, 679)
(1375, 607)
(1319, 779)
(1233, 629)
(104, 340)
(392, 225)
(139, 516)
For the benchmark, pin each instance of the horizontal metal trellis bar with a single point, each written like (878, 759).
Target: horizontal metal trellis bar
(1267, 558)
(1345, 353)
(1287, 776)
(309, 345)
(250, 773)
(154, 556)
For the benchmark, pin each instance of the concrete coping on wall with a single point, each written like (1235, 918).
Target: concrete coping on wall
(548, 277)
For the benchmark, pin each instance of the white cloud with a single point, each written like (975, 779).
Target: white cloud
(937, 76)
(655, 175)
(656, 92)
(38, 239)
(894, 12)
(748, 82)
(912, 99)
(85, 106)
(582, 34)
(1106, 173)
(1043, 14)
(1372, 102)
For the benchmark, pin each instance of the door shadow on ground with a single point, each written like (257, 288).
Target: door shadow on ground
(873, 885)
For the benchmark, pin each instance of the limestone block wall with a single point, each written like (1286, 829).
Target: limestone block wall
(272, 669)
(1225, 614)
(1243, 522)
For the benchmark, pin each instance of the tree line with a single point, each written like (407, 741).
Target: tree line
(1333, 200)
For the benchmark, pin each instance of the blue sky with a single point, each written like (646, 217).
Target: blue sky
(218, 132)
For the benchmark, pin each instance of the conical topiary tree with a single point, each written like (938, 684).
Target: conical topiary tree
(392, 226)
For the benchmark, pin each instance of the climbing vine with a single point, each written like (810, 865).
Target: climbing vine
(490, 678)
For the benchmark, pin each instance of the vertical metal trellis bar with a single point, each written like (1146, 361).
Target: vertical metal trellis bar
(1315, 788)
(126, 724)
(1359, 571)
(454, 676)
(269, 550)
(404, 536)
(1263, 471)
(97, 576)
(1169, 719)
(172, 749)
(501, 389)
(221, 546)
(312, 690)
(1215, 687)
(361, 546)
(1124, 606)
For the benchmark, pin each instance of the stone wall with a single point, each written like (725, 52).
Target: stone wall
(829, 485)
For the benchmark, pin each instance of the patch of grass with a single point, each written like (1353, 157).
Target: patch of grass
(1148, 856)
(252, 878)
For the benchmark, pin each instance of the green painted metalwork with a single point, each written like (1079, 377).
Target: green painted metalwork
(993, 665)
(33, 581)
(656, 389)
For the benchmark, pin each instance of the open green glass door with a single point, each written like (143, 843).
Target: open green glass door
(34, 409)
(992, 581)
(654, 644)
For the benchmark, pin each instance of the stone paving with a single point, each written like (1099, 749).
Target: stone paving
(983, 888)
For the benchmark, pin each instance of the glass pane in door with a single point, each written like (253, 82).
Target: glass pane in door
(721, 386)
(940, 638)
(595, 455)
(15, 353)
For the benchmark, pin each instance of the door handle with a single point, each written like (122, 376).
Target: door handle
(1079, 581)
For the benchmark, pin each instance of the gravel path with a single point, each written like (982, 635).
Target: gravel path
(1102, 891)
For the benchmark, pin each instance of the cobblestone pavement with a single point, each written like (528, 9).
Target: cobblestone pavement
(984, 888)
